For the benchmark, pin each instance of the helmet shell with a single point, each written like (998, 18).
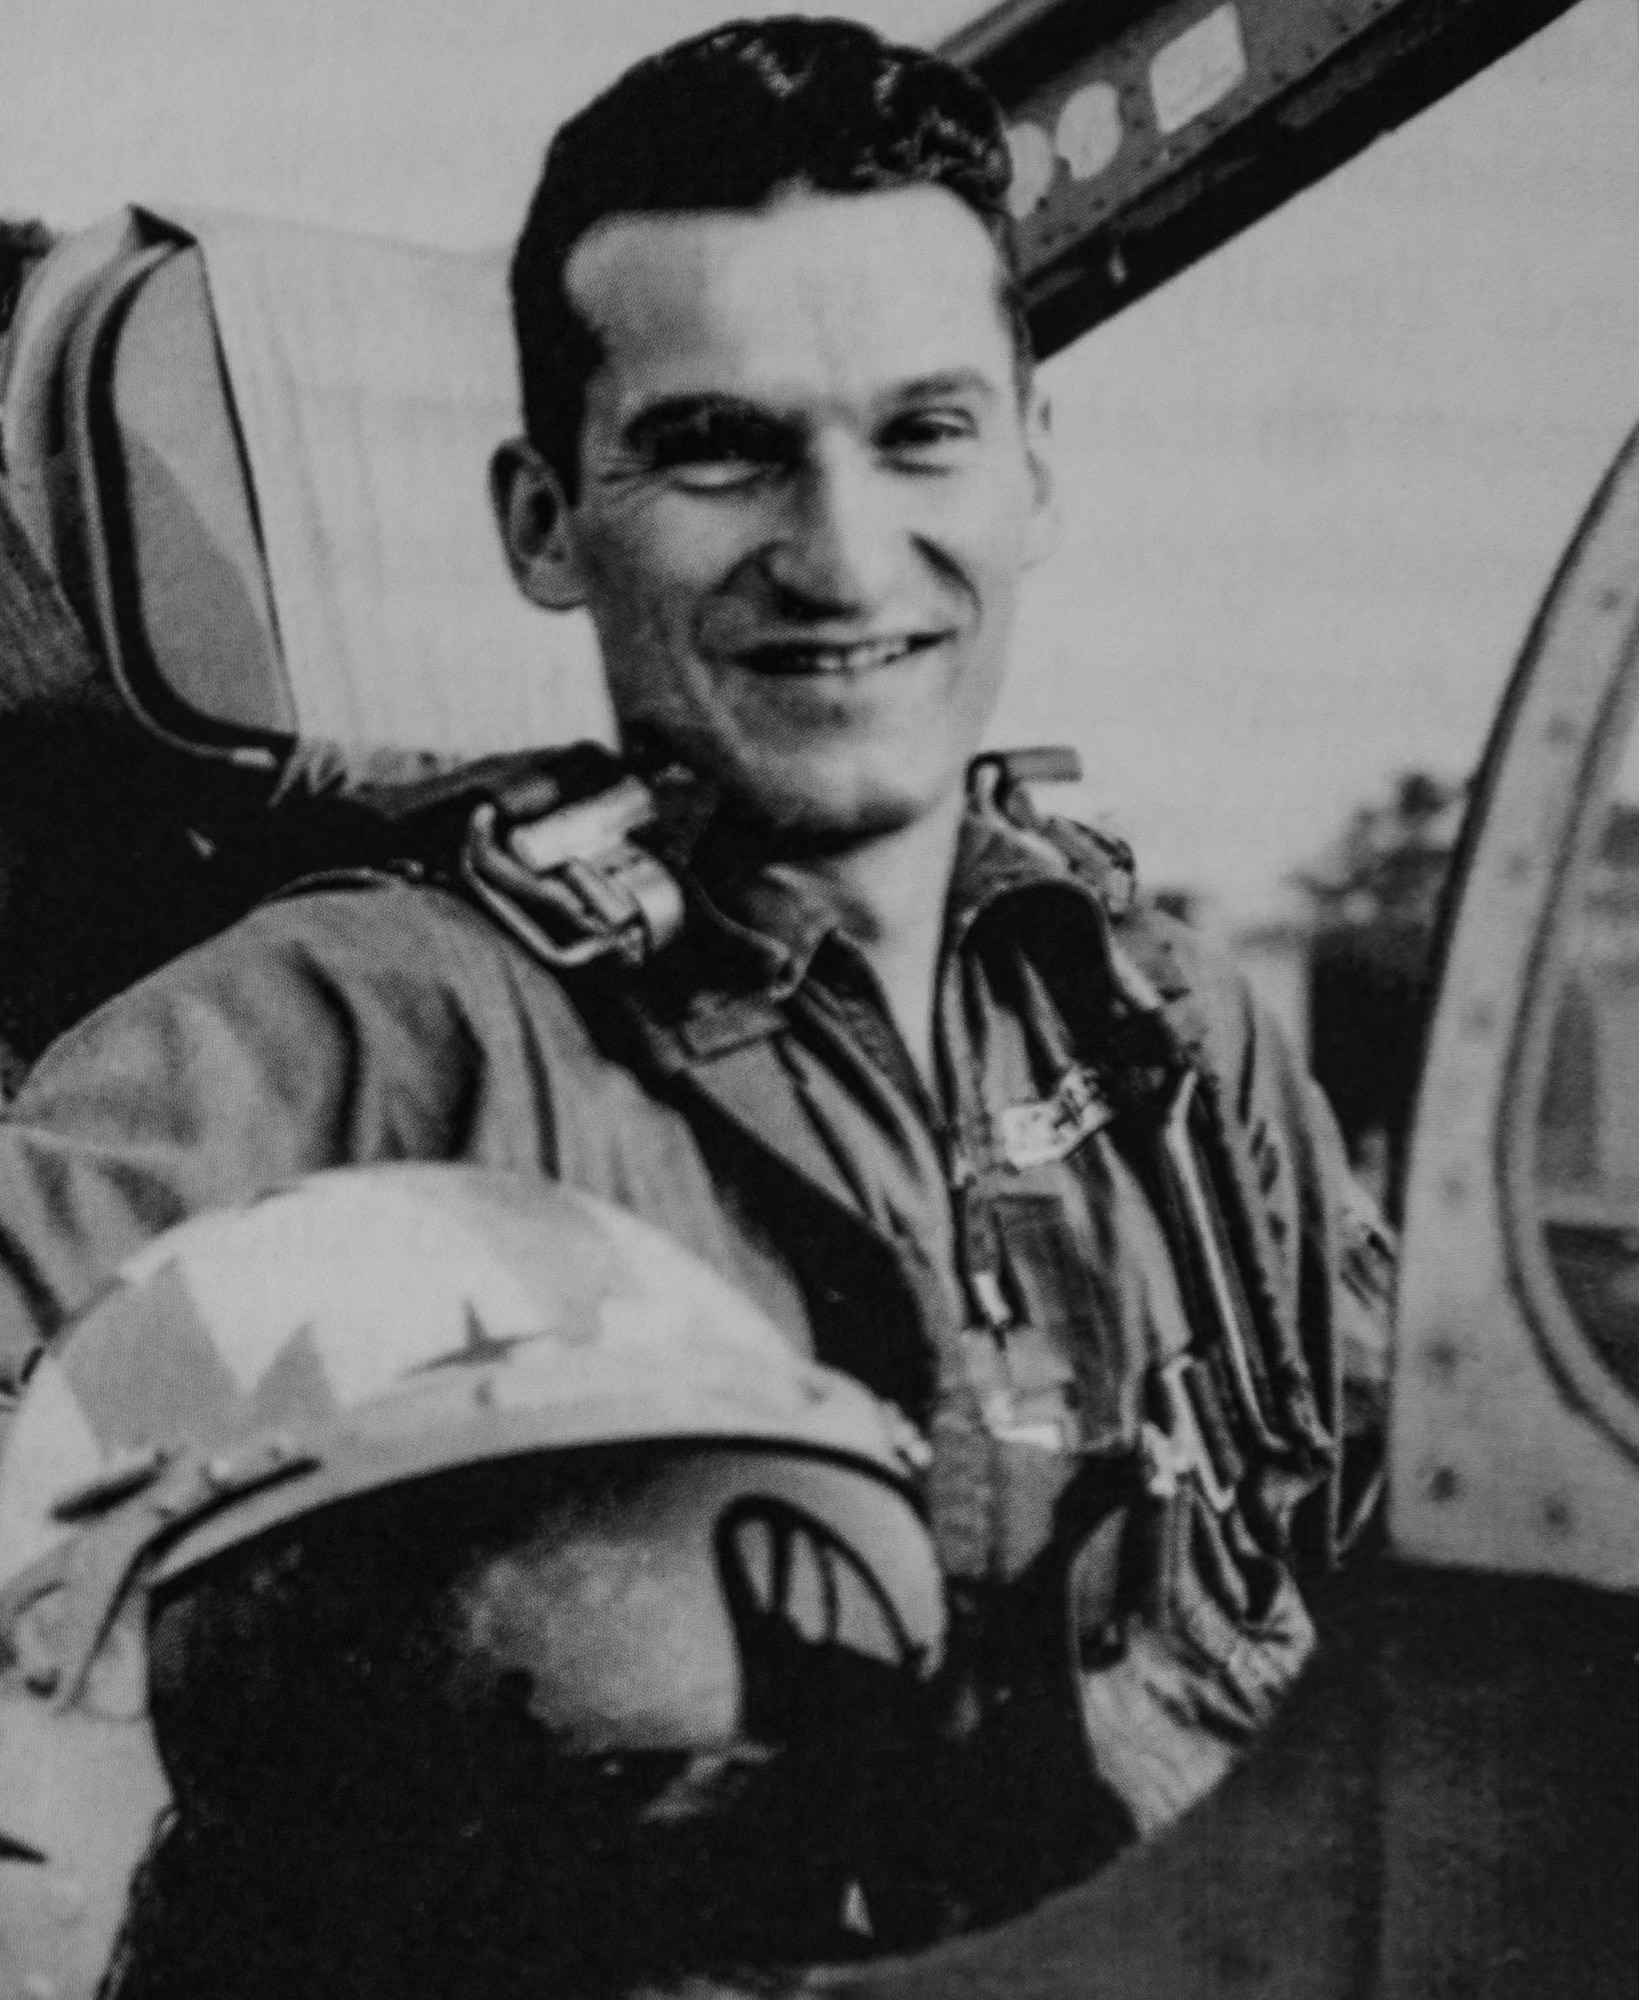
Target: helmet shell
(402, 1319)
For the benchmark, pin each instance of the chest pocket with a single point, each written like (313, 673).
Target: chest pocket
(1071, 1245)
(1057, 1346)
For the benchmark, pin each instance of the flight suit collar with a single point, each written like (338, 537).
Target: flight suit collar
(760, 929)
(709, 1013)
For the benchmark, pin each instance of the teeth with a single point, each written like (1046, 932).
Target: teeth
(844, 659)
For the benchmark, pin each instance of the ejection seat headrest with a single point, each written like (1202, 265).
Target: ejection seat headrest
(253, 457)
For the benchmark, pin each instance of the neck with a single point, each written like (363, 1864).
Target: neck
(890, 893)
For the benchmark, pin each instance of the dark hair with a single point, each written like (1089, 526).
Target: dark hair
(724, 121)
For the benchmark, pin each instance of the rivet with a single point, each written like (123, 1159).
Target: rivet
(1442, 1483)
(1557, 1516)
(66, 1898)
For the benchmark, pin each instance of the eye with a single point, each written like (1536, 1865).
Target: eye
(718, 450)
(930, 437)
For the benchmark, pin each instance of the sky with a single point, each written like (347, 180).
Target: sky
(1312, 490)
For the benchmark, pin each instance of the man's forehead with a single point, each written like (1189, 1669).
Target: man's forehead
(849, 289)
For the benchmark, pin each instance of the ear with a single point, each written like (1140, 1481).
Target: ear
(533, 517)
(1043, 535)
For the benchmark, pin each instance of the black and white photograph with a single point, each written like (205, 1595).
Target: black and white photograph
(819, 1000)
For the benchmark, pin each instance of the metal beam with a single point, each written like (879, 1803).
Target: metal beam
(1145, 136)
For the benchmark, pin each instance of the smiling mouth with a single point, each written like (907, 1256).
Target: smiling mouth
(798, 657)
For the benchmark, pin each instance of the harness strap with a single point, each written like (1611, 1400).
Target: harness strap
(1253, 1384)
(554, 845)
(554, 851)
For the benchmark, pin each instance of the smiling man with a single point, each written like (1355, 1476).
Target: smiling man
(920, 1072)
(809, 476)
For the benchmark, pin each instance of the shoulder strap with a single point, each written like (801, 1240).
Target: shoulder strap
(552, 844)
(1158, 1039)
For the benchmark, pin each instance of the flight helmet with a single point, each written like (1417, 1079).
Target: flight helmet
(447, 1502)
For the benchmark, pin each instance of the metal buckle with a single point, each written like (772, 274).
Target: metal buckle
(570, 885)
(1174, 1453)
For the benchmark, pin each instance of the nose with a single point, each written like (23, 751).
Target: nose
(842, 543)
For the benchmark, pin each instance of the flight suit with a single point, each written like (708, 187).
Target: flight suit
(986, 1255)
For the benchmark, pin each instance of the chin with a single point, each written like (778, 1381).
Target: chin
(836, 815)
(818, 794)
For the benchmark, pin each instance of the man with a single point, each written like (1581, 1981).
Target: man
(919, 1075)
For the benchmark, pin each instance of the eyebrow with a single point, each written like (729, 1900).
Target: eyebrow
(672, 413)
(956, 382)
